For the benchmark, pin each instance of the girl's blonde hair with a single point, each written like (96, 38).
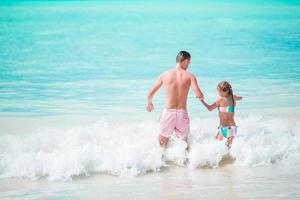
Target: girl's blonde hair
(226, 87)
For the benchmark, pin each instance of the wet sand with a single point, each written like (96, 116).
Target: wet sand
(226, 182)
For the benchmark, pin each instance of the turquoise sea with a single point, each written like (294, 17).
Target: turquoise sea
(101, 57)
(74, 77)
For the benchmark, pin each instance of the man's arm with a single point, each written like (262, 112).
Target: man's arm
(196, 88)
(151, 93)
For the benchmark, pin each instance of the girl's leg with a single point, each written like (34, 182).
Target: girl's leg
(229, 142)
(219, 136)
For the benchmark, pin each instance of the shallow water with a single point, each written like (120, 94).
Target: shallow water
(175, 183)
(131, 149)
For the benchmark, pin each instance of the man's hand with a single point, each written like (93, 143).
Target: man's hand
(150, 107)
(152, 91)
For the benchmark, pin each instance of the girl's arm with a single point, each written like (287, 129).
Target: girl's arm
(212, 106)
(237, 97)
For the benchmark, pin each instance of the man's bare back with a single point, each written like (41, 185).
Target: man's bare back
(176, 83)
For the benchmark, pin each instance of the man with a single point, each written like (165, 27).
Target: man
(176, 82)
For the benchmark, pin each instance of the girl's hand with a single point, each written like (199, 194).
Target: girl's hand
(237, 97)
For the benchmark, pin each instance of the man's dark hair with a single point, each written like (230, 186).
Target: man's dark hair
(182, 55)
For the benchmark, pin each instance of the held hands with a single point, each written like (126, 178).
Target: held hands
(201, 98)
(150, 107)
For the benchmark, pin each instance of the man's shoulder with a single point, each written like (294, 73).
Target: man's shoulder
(172, 71)
(165, 73)
(169, 71)
(190, 74)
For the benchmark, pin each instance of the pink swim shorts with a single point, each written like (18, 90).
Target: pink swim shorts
(174, 120)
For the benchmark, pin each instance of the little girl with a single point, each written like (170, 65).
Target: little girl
(226, 104)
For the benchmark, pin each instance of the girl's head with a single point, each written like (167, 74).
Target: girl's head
(224, 89)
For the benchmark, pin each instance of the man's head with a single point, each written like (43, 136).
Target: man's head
(183, 58)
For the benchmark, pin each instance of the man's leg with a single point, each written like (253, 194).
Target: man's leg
(183, 136)
(187, 144)
(163, 141)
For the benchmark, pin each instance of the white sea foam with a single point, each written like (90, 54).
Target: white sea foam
(129, 149)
